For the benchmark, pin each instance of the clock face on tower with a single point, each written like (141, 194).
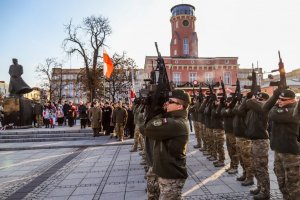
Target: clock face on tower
(185, 23)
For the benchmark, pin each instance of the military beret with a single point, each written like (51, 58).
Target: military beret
(263, 95)
(287, 94)
(182, 95)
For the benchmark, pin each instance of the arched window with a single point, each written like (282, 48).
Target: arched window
(186, 46)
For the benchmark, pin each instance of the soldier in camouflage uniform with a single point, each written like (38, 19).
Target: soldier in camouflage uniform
(194, 116)
(138, 121)
(218, 155)
(199, 124)
(201, 118)
(208, 128)
(257, 122)
(119, 118)
(285, 117)
(243, 143)
(170, 133)
(228, 115)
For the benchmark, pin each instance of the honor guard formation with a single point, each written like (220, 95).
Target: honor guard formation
(250, 122)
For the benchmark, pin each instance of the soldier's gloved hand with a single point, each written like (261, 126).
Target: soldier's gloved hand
(249, 95)
(276, 93)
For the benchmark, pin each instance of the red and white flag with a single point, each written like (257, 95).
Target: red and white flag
(132, 95)
(108, 65)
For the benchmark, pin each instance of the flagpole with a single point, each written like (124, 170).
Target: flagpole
(103, 75)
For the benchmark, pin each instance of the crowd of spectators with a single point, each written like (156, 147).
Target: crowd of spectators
(52, 114)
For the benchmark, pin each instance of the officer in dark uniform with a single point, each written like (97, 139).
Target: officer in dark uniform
(285, 117)
(170, 133)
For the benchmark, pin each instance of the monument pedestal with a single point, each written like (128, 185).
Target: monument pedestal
(17, 111)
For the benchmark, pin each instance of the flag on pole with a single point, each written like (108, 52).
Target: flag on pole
(108, 65)
(132, 95)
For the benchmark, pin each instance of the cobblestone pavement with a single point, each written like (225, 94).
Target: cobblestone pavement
(108, 173)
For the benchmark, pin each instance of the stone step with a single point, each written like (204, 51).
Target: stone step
(38, 135)
(43, 131)
(45, 139)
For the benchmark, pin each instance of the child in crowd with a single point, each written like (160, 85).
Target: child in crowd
(46, 116)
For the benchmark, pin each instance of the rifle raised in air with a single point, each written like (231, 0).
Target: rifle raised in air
(201, 96)
(224, 91)
(157, 92)
(255, 88)
(282, 81)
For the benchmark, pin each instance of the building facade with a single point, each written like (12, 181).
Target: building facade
(65, 85)
(183, 65)
(34, 95)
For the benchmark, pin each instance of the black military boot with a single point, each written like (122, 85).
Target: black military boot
(247, 182)
(261, 196)
(255, 191)
(241, 178)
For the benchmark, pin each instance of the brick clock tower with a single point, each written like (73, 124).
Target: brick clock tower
(184, 42)
(183, 65)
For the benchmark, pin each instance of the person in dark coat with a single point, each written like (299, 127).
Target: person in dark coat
(106, 118)
(66, 108)
(71, 114)
(83, 114)
(130, 122)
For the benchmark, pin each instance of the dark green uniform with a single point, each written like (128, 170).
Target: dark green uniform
(170, 134)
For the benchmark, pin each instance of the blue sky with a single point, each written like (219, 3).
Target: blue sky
(253, 30)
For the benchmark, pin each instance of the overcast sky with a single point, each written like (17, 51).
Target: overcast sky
(253, 30)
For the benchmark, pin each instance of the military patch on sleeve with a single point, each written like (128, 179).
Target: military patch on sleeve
(157, 122)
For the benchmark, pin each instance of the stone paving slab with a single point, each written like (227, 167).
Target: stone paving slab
(93, 142)
(112, 172)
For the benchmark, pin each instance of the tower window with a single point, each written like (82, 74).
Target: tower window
(227, 78)
(186, 46)
(175, 41)
(176, 24)
(175, 52)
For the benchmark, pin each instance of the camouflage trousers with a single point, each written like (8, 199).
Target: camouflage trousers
(198, 132)
(138, 139)
(152, 185)
(170, 188)
(119, 128)
(204, 136)
(218, 145)
(232, 150)
(245, 156)
(210, 140)
(287, 170)
(260, 160)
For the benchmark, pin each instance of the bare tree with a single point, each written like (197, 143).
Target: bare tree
(46, 76)
(86, 40)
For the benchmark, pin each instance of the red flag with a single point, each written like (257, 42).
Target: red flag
(132, 94)
(108, 65)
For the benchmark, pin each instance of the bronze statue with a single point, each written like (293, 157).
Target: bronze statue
(17, 86)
